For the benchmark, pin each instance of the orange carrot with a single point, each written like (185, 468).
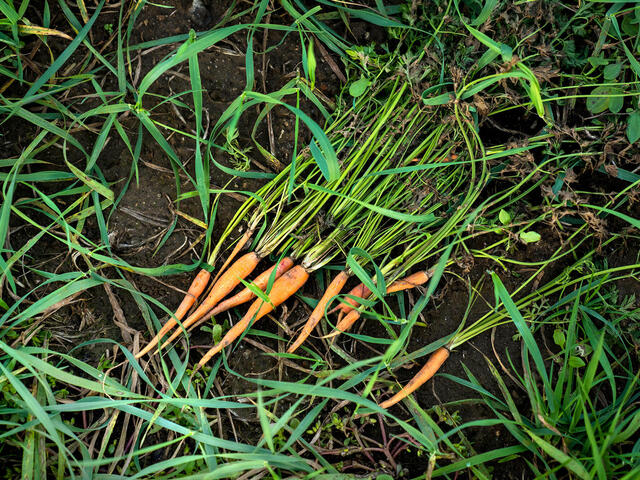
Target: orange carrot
(430, 368)
(346, 322)
(348, 304)
(415, 279)
(225, 284)
(195, 290)
(332, 290)
(236, 249)
(246, 294)
(282, 289)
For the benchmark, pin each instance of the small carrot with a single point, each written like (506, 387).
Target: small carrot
(430, 368)
(362, 291)
(195, 290)
(346, 322)
(246, 294)
(282, 289)
(236, 249)
(415, 279)
(225, 284)
(348, 304)
(332, 290)
(411, 281)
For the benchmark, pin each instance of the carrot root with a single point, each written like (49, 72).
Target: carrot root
(236, 249)
(195, 290)
(411, 281)
(261, 281)
(332, 290)
(361, 291)
(283, 288)
(348, 304)
(430, 368)
(225, 284)
(345, 324)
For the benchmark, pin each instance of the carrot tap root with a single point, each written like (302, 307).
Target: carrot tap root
(195, 290)
(332, 290)
(246, 294)
(222, 287)
(429, 369)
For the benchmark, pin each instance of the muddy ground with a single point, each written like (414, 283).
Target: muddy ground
(147, 212)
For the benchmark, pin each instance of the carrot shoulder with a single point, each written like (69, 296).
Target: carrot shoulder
(430, 368)
(334, 288)
(195, 290)
(282, 289)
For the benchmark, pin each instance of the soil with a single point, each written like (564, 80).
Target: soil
(147, 212)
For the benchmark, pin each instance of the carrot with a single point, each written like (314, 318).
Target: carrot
(246, 294)
(348, 303)
(236, 249)
(195, 290)
(282, 289)
(332, 290)
(225, 284)
(430, 368)
(345, 324)
(415, 279)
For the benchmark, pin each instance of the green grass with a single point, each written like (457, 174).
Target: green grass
(566, 192)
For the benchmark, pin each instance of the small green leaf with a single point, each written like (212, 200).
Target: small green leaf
(612, 71)
(576, 362)
(559, 337)
(441, 99)
(358, 87)
(217, 333)
(311, 64)
(616, 103)
(504, 217)
(530, 237)
(633, 127)
(598, 61)
(598, 102)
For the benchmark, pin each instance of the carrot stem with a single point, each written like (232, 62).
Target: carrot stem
(430, 368)
(283, 288)
(195, 290)
(332, 290)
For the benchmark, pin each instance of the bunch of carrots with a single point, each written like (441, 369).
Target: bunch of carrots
(400, 195)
